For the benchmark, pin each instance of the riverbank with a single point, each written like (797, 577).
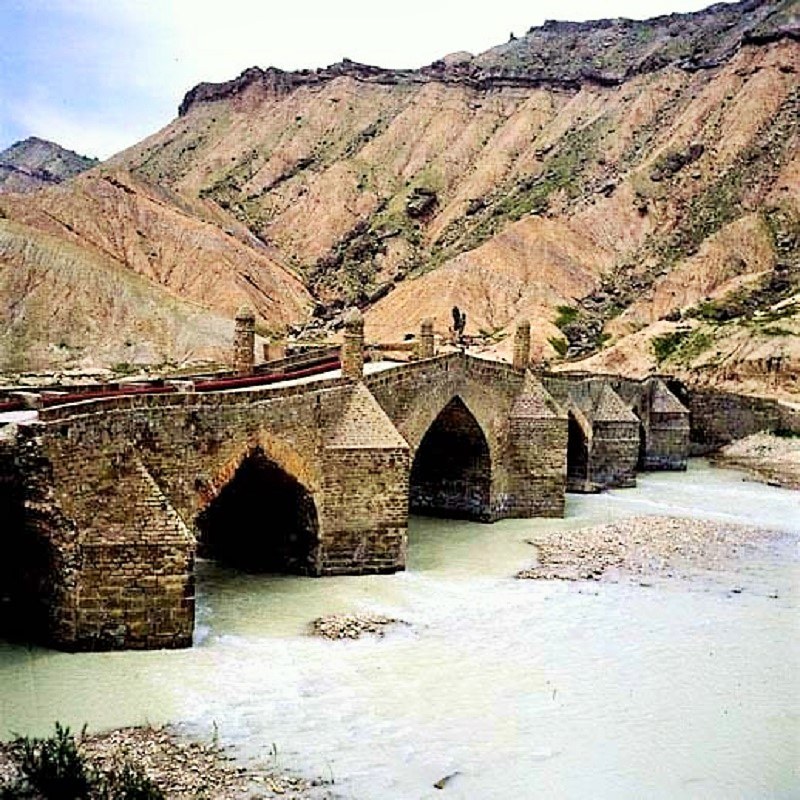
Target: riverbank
(182, 768)
(642, 546)
(770, 459)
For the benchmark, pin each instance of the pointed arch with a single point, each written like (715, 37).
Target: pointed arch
(578, 446)
(451, 474)
(263, 519)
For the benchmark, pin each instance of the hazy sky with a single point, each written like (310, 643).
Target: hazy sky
(99, 75)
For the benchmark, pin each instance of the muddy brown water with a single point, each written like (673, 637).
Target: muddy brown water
(516, 689)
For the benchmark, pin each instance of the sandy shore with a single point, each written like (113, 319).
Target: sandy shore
(182, 768)
(642, 546)
(767, 458)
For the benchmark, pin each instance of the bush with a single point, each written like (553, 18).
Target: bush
(665, 345)
(566, 316)
(54, 769)
(130, 783)
(559, 345)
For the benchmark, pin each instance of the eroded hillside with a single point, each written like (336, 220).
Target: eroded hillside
(613, 181)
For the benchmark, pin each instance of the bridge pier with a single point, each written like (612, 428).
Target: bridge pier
(107, 562)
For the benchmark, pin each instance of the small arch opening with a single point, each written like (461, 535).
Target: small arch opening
(452, 473)
(577, 453)
(263, 520)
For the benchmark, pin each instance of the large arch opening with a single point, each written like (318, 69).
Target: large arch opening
(263, 520)
(452, 472)
(577, 455)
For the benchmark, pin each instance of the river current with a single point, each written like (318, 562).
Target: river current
(675, 688)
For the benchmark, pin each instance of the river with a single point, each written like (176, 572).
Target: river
(676, 688)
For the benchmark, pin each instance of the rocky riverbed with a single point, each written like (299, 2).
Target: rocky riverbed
(642, 546)
(352, 626)
(765, 457)
(182, 768)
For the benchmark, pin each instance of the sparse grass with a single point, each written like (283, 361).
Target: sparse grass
(566, 315)
(560, 345)
(666, 345)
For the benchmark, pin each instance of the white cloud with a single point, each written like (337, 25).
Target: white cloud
(80, 132)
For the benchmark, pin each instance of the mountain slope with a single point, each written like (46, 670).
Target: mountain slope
(62, 306)
(600, 178)
(34, 163)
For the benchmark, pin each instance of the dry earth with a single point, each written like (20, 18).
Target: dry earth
(633, 172)
(767, 458)
(184, 769)
(642, 547)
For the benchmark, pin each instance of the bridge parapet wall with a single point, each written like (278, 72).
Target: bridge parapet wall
(718, 418)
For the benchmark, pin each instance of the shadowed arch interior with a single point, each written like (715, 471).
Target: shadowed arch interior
(263, 520)
(452, 472)
(577, 452)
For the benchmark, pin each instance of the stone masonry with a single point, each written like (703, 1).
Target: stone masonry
(108, 498)
(244, 337)
(617, 426)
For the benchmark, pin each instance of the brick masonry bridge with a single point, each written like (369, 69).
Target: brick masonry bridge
(106, 502)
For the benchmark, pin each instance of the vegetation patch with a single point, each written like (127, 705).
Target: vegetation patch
(560, 345)
(682, 345)
(54, 768)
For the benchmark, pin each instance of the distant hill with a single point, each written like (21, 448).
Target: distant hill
(34, 163)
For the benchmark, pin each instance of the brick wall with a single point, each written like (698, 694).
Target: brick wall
(614, 453)
(717, 418)
(112, 489)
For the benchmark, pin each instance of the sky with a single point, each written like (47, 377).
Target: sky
(97, 76)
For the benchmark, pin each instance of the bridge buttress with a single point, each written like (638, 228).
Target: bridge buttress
(537, 454)
(112, 559)
(364, 497)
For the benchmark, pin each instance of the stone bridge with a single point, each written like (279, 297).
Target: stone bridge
(106, 502)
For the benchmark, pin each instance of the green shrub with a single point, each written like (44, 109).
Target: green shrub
(559, 345)
(665, 345)
(566, 316)
(53, 767)
(130, 783)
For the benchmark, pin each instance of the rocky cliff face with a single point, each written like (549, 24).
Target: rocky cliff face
(34, 163)
(618, 182)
